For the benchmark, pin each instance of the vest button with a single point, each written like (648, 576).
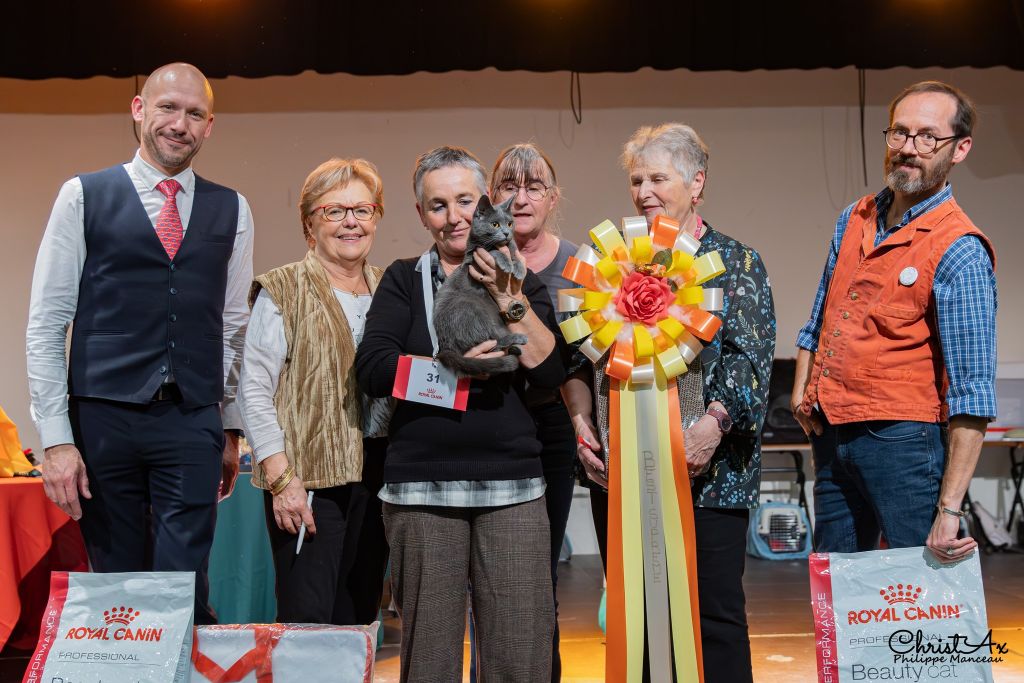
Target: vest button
(824, 373)
(173, 317)
(854, 295)
(173, 267)
(171, 343)
(835, 332)
(830, 353)
(174, 290)
(846, 315)
(163, 369)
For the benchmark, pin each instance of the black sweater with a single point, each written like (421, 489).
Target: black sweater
(495, 438)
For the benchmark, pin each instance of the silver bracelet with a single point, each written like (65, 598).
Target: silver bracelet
(961, 514)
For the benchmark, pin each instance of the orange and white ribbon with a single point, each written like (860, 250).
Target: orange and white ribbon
(641, 303)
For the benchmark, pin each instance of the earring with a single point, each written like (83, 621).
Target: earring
(694, 200)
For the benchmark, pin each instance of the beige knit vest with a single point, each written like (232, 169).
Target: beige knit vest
(319, 405)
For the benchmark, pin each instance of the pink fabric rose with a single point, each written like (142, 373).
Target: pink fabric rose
(643, 298)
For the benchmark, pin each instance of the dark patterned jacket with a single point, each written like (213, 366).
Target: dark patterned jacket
(737, 368)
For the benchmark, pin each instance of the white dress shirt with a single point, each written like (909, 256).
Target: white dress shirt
(266, 350)
(54, 299)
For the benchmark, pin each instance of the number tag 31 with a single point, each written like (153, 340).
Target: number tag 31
(424, 380)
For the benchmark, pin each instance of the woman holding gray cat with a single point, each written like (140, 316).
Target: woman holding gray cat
(464, 492)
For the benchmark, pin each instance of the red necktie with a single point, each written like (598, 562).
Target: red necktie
(168, 223)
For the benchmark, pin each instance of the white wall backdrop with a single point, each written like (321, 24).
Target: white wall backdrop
(785, 159)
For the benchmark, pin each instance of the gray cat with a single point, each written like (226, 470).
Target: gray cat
(464, 313)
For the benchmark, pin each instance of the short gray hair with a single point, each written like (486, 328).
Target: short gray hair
(443, 157)
(687, 151)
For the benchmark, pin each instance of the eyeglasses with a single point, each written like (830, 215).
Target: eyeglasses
(925, 143)
(335, 213)
(535, 190)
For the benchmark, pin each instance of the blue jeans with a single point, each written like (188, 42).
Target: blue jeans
(877, 477)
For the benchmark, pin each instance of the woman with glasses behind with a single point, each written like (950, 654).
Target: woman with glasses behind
(312, 430)
(526, 172)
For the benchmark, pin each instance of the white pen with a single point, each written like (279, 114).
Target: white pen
(302, 527)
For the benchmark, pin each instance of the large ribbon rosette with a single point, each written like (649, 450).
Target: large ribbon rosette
(641, 302)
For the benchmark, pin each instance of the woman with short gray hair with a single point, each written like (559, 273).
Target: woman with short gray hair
(463, 490)
(667, 168)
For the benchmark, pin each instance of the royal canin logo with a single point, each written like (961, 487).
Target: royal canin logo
(906, 596)
(115, 627)
(901, 593)
(119, 615)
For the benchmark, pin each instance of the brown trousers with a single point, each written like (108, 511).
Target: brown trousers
(436, 552)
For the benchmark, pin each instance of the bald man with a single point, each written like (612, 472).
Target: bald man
(152, 264)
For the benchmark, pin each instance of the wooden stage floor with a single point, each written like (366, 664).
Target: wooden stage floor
(778, 605)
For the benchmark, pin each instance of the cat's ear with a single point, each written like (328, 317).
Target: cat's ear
(506, 206)
(483, 205)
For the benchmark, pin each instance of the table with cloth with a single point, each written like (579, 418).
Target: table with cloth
(35, 539)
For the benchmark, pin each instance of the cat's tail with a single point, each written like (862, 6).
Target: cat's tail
(471, 367)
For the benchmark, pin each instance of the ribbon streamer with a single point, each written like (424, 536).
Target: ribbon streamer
(652, 572)
(708, 266)
(579, 272)
(570, 300)
(574, 328)
(664, 232)
(607, 238)
(587, 255)
(633, 227)
(687, 244)
(713, 299)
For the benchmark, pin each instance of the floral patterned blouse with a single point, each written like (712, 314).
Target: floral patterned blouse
(737, 367)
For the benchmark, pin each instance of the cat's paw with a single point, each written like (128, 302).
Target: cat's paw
(518, 270)
(503, 262)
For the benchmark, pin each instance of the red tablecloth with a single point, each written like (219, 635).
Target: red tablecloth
(35, 539)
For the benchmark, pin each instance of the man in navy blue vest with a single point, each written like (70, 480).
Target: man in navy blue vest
(151, 264)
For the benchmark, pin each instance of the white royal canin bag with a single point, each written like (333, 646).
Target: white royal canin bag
(900, 615)
(102, 628)
(282, 653)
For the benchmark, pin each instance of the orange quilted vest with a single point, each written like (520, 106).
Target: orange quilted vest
(879, 356)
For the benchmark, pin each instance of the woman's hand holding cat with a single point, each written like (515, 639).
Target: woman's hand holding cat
(503, 287)
(485, 349)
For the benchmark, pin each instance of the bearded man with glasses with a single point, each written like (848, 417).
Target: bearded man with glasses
(895, 377)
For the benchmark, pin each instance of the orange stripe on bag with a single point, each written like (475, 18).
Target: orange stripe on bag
(685, 499)
(615, 618)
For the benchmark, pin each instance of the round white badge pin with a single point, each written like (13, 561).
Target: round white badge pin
(908, 276)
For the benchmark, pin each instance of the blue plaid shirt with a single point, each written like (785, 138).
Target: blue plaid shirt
(965, 306)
